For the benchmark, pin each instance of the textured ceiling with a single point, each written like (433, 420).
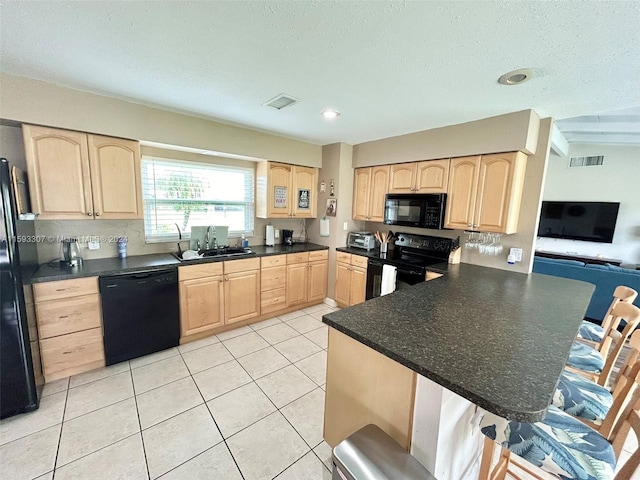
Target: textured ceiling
(389, 67)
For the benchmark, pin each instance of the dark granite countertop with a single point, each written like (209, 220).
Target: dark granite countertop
(375, 254)
(116, 266)
(497, 338)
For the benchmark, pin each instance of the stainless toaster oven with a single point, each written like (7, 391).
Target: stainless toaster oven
(364, 240)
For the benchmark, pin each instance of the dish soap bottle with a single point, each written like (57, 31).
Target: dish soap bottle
(122, 247)
(244, 242)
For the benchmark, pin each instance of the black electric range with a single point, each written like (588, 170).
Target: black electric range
(411, 257)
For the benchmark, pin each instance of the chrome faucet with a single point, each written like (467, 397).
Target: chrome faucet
(179, 239)
(207, 237)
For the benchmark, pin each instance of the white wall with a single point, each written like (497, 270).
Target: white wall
(617, 180)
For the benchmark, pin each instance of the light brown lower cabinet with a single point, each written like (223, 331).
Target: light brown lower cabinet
(217, 294)
(241, 290)
(201, 304)
(273, 283)
(33, 334)
(69, 323)
(351, 279)
(307, 277)
(364, 386)
(317, 289)
(71, 354)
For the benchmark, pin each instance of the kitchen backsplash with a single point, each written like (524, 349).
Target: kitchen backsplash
(50, 232)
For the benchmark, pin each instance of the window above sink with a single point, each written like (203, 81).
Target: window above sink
(190, 193)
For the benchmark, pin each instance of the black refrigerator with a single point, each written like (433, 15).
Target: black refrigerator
(18, 392)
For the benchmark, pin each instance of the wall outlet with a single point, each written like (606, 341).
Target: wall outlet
(517, 254)
(345, 225)
(93, 245)
(276, 233)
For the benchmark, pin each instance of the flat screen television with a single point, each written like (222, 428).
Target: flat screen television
(586, 221)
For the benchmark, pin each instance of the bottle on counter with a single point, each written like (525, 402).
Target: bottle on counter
(122, 247)
(244, 242)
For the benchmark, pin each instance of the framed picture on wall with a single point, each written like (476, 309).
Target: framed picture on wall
(332, 206)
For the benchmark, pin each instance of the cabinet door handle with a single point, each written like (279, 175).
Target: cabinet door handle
(97, 214)
(90, 214)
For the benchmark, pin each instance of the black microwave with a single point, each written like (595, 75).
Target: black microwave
(423, 210)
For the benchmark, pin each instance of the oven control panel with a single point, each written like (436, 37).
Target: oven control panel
(423, 242)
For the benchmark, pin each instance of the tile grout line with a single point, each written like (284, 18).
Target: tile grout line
(179, 353)
(278, 410)
(135, 399)
(64, 411)
(214, 421)
(110, 444)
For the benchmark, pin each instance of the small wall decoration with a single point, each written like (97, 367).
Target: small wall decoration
(303, 198)
(332, 206)
(280, 197)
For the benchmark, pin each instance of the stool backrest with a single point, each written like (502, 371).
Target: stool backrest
(620, 294)
(625, 388)
(629, 421)
(622, 311)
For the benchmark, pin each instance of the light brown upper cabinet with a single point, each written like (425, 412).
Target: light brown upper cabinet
(284, 191)
(75, 175)
(370, 186)
(485, 192)
(429, 176)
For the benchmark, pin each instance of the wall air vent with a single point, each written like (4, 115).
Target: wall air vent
(281, 101)
(591, 161)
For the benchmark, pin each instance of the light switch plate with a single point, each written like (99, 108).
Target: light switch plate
(93, 245)
(517, 254)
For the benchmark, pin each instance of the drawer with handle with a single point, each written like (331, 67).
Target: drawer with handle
(65, 289)
(67, 355)
(273, 300)
(273, 278)
(273, 261)
(68, 315)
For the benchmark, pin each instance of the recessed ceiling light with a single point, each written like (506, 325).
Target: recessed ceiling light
(331, 114)
(516, 77)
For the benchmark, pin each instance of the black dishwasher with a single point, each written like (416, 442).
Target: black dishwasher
(140, 313)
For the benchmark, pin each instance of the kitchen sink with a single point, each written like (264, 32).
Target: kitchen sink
(220, 252)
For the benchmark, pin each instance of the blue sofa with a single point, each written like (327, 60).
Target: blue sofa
(605, 277)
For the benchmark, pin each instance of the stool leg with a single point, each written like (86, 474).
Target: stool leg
(487, 457)
(501, 468)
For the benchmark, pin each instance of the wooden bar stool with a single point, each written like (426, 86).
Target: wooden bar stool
(591, 349)
(564, 446)
(593, 333)
(590, 362)
(578, 393)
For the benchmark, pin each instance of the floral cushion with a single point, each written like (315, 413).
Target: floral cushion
(585, 357)
(582, 398)
(560, 445)
(590, 331)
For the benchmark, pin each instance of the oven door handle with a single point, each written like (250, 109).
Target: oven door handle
(410, 272)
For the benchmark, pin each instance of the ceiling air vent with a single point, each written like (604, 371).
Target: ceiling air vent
(281, 101)
(591, 161)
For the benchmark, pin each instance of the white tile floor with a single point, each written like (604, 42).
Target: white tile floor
(246, 404)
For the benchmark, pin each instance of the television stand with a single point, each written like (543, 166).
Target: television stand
(580, 258)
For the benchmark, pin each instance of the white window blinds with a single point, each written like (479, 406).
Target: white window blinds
(193, 193)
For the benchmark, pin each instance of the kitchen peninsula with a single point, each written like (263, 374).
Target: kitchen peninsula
(418, 362)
